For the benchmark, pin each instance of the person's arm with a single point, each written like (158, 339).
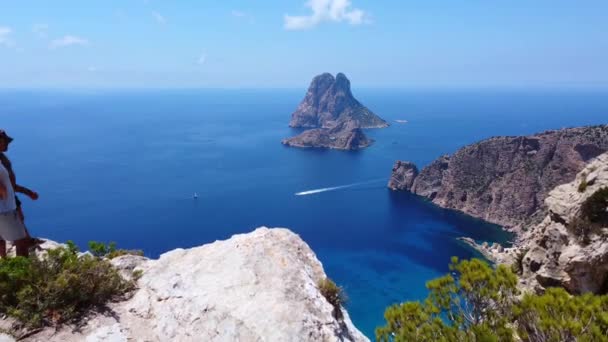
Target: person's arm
(29, 193)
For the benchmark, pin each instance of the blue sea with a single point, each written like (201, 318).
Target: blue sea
(123, 166)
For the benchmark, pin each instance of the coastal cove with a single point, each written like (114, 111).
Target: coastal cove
(123, 165)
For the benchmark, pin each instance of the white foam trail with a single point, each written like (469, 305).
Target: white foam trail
(316, 191)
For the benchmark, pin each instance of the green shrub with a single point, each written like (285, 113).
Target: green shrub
(479, 304)
(472, 306)
(518, 265)
(583, 185)
(334, 294)
(101, 250)
(593, 217)
(59, 287)
(594, 209)
(557, 316)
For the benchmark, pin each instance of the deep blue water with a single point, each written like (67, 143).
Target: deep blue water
(122, 166)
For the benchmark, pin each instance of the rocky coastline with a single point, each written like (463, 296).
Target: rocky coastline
(563, 249)
(535, 186)
(339, 138)
(505, 180)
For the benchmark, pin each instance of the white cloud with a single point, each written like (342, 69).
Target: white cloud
(202, 59)
(68, 40)
(326, 10)
(40, 30)
(243, 16)
(159, 18)
(5, 36)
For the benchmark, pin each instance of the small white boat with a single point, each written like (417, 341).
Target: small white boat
(401, 121)
(195, 196)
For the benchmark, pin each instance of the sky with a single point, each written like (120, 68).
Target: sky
(284, 43)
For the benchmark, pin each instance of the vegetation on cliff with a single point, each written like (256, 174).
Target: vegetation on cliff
(59, 287)
(595, 208)
(334, 294)
(478, 303)
(101, 250)
(505, 180)
(593, 217)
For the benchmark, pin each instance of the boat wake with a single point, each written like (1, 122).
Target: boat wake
(333, 188)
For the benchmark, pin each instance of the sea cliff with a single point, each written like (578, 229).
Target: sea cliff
(567, 248)
(261, 286)
(537, 186)
(335, 116)
(330, 102)
(505, 180)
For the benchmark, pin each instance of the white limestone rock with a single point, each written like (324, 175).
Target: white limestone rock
(6, 338)
(260, 286)
(551, 254)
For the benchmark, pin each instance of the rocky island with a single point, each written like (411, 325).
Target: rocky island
(335, 116)
(341, 137)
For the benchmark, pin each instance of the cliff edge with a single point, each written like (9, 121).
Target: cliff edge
(260, 286)
(505, 180)
(569, 248)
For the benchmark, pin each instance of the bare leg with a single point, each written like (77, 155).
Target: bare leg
(22, 247)
(2, 249)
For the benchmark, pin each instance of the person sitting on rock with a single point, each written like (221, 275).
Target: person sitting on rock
(22, 245)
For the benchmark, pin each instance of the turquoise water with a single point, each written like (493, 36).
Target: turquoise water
(122, 166)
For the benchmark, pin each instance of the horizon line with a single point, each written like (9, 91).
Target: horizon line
(561, 86)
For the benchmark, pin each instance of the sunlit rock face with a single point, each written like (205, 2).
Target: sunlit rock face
(505, 180)
(260, 286)
(329, 102)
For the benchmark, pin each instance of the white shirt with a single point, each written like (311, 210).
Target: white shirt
(8, 203)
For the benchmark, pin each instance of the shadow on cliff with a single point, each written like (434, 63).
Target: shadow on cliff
(427, 234)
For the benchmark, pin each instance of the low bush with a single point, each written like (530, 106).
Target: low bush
(479, 303)
(518, 266)
(101, 250)
(593, 217)
(595, 208)
(58, 287)
(558, 316)
(470, 304)
(334, 294)
(582, 186)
